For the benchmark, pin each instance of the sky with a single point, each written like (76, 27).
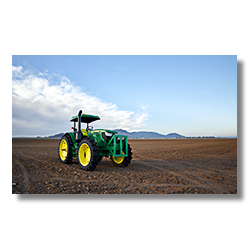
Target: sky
(188, 95)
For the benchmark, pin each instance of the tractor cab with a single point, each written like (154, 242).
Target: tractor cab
(83, 118)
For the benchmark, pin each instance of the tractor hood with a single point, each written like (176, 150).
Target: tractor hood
(103, 130)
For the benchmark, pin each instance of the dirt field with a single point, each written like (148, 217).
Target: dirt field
(178, 166)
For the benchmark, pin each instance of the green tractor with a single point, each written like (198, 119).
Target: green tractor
(89, 145)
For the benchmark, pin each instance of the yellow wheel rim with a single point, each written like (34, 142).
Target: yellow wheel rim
(84, 154)
(118, 160)
(63, 149)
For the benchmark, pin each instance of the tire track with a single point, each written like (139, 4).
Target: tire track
(194, 182)
(133, 184)
(197, 167)
(189, 165)
(219, 156)
(35, 158)
(25, 182)
(43, 163)
(180, 168)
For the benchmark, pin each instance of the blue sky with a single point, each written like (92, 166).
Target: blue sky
(189, 95)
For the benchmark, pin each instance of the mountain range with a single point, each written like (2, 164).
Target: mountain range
(146, 135)
(141, 134)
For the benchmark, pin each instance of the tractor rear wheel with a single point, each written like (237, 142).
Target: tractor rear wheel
(123, 161)
(88, 154)
(65, 149)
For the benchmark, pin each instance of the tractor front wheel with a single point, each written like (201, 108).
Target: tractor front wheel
(88, 154)
(123, 161)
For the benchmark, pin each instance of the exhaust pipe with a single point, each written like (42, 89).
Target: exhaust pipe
(79, 133)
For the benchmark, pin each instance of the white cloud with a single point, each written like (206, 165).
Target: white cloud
(43, 104)
(144, 106)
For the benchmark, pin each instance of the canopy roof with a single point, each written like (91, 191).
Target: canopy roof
(85, 118)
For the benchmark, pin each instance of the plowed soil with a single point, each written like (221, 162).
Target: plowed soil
(171, 166)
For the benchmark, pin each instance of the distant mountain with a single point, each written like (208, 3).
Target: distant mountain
(57, 136)
(122, 132)
(145, 134)
(174, 135)
(140, 134)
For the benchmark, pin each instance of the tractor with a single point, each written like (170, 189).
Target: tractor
(89, 145)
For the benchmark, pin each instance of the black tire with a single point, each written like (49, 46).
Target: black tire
(126, 160)
(88, 154)
(99, 158)
(65, 157)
